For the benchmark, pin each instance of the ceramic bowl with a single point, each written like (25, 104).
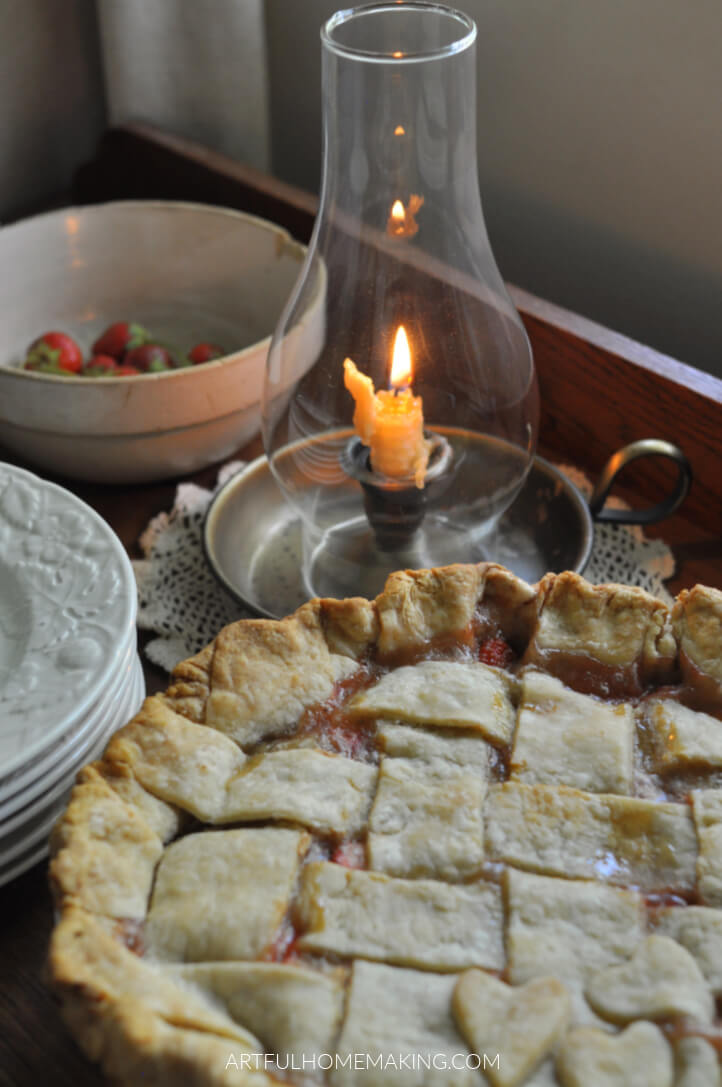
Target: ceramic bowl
(187, 272)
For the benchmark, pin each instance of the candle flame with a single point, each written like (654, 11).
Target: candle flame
(399, 130)
(397, 53)
(401, 222)
(398, 213)
(401, 372)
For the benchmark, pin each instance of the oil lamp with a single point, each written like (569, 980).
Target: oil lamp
(400, 402)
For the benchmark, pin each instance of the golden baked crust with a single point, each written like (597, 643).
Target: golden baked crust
(245, 743)
(697, 626)
(263, 674)
(623, 629)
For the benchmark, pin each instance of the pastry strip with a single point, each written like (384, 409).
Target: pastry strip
(222, 895)
(327, 793)
(423, 923)
(426, 816)
(707, 808)
(568, 930)
(394, 1014)
(566, 738)
(681, 738)
(615, 839)
(454, 694)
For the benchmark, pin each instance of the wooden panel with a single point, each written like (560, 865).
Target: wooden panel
(600, 390)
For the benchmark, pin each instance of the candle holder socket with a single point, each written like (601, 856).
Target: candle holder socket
(395, 508)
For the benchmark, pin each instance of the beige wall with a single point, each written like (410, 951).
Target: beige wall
(51, 98)
(600, 133)
(193, 67)
(600, 152)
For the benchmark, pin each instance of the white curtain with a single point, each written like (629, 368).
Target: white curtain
(196, 68)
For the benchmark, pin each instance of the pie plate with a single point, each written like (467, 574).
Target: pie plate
(67, 610)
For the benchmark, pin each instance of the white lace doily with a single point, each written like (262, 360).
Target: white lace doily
(622, 553)
(181, 602)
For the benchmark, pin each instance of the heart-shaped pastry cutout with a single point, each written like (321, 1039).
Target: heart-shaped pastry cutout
(522, 1024)
(660, 980)
(696, 1063)
(638, 1057)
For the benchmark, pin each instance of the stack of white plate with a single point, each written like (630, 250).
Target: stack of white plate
(69, 668)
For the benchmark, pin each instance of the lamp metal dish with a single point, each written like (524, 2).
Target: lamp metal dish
(253, 538)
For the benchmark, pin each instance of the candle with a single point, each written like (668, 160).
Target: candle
(391, 421)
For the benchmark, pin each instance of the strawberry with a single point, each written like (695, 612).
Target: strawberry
(126, 371)
(40, 367)
(119, 338)
(204, 352)
(99, 366)
(54, 352)
(496, 652)
(350, 855)
(149, 358)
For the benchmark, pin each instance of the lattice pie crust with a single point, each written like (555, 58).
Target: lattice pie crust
(470, 819)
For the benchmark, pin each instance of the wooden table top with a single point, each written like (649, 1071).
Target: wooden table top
(599, 391)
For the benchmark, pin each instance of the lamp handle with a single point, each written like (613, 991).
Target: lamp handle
(646, 447)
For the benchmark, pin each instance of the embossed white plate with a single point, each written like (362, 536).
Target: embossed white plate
(22, 846)
(67, 610)
(52, 765)
(18, 832)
